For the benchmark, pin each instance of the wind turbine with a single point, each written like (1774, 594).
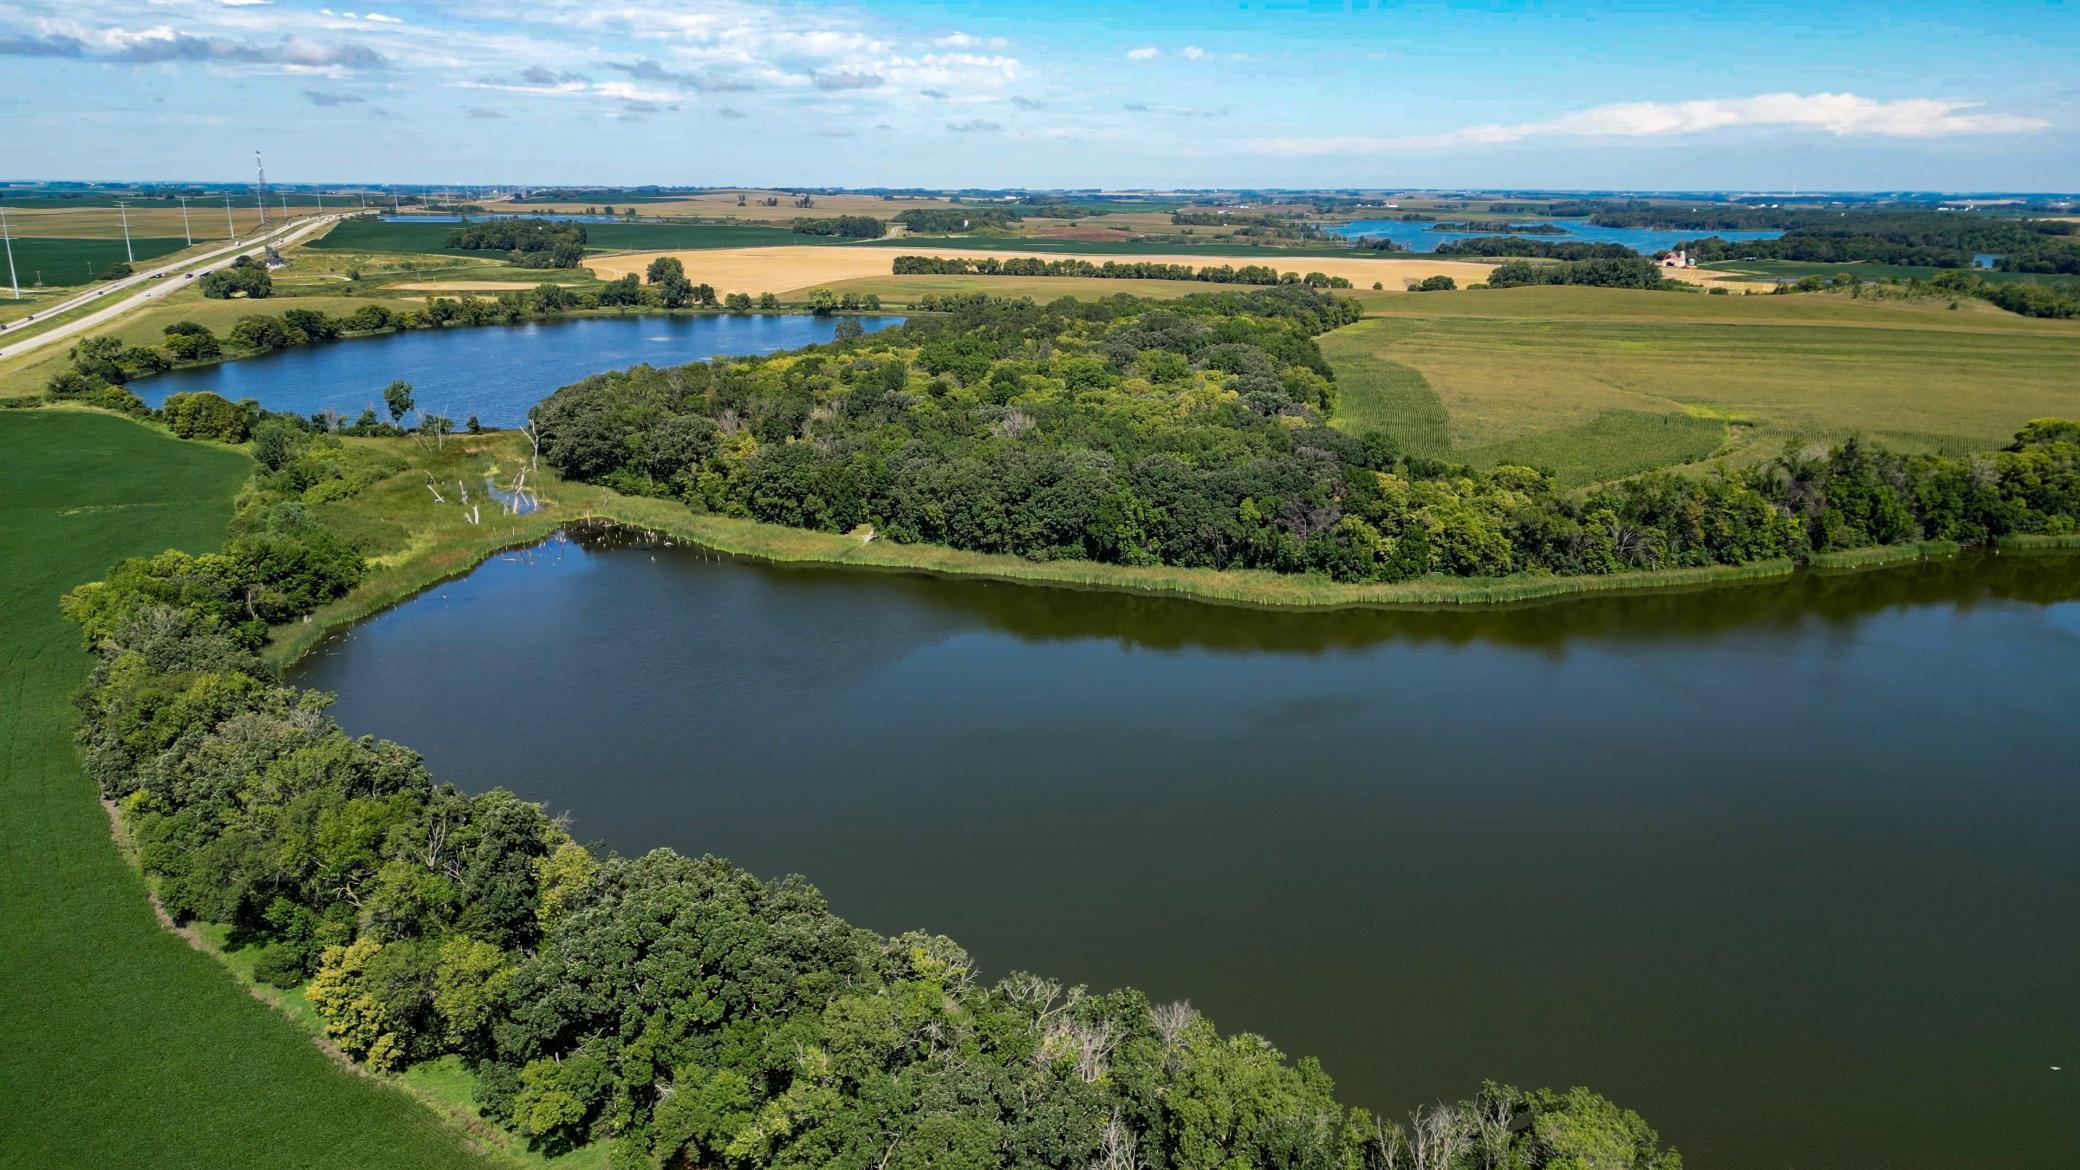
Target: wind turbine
(184, 220)
(124, 209)
(7, 238)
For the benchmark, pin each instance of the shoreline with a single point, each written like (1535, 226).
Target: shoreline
(434, 557)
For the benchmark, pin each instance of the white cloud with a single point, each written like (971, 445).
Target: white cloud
(1145, 53)
(1840, 114)
(961, 40)
(1193, 52)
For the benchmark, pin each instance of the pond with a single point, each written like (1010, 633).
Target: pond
(1418, 236)
(495, 372)
(1789, 867)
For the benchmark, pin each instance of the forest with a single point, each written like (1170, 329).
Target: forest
(1932, 238)
(1110, 269)
(1193, 433)
(1628, 271)
(678, 1011)
(851, 227)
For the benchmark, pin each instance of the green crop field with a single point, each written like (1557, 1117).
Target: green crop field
(124, 1046)
(55, 260)
(371, 235)
(1599, 383)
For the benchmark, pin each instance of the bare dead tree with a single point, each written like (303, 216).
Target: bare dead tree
(1438, 1135)
(1172, 1019)
(433, 486)
(534, 440)
(1492, 1114)
(1116, 1147)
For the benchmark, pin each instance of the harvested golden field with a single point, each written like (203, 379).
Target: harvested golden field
(205, 220)
(787, 269)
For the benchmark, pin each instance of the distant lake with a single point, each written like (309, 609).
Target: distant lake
(492, 371)
(1789, 867)
(1418, 236)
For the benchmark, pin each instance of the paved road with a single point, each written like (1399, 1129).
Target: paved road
(155, 282)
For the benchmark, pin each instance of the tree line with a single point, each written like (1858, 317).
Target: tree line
(527, 243)
(1923, 238)
(1109, 270)
(851, 227)
(680, 1011)
(1193, 433)
(944, 221)
(2025, 298)
(1628, 271)
(1542, 249)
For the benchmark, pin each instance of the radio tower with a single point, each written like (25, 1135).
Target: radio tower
(261, 184)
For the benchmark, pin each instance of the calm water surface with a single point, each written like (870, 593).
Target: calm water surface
(495, 372)
(1791, 868)
(1418, 236)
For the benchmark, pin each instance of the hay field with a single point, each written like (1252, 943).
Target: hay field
(791, 268)
(1598, 383)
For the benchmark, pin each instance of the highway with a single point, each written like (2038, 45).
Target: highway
(144, 287)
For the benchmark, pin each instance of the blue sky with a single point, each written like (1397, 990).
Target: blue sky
(1761, 95)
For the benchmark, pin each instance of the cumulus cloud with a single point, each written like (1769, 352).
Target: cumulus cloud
(636, 109)
(320, 97)
(1024, 103)
(1839, 114)
(482, 112)
(538, 75)
(731, 112)
(1145, 53)
(937, 95)
(154, 46)
(1193, 52)
(973, 126)
(648, 69)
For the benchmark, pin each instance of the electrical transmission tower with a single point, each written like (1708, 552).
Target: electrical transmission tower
(260, 186)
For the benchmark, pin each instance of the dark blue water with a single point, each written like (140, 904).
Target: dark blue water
(1419, 237)
(494, 372)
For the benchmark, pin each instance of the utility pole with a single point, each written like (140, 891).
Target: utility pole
(321, 203)
(7, 237)
(184, 220)
(285, 207)
(230, 227)
(124, 209)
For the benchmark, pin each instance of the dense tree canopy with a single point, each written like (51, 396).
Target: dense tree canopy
(529, 243)
(1191, 432)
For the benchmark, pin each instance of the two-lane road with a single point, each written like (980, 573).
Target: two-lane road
(134, 291)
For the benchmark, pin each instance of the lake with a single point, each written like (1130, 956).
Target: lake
(1789, 867)
(495, 372)
(1418, 236)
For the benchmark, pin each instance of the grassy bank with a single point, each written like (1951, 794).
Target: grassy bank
(125, 1046)
(420, 542)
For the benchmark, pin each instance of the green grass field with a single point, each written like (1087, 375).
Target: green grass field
(124, 1046)
(58, 261)
(1600, 383)
(1793, 269)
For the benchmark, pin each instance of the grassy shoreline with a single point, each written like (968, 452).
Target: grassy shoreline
(443, 546)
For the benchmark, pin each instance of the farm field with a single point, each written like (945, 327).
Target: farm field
(790, 268)
(73, 261)
(1793, 269)
(723, 204)
(127, 1047)
(372, 235)
(1600, 383)
(205, 219)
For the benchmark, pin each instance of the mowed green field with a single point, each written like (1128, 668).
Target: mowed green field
(124, 1046)
(1599, 383)
(55, 260)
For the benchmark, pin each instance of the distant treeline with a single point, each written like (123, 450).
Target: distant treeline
(1925, 238)
(1515, 229)
(2026, 298)
(528, 243)
(1110, 270)
(1544, 249)
(939, 221)
(1228, 219)
(851, 227)
(1628, 271)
